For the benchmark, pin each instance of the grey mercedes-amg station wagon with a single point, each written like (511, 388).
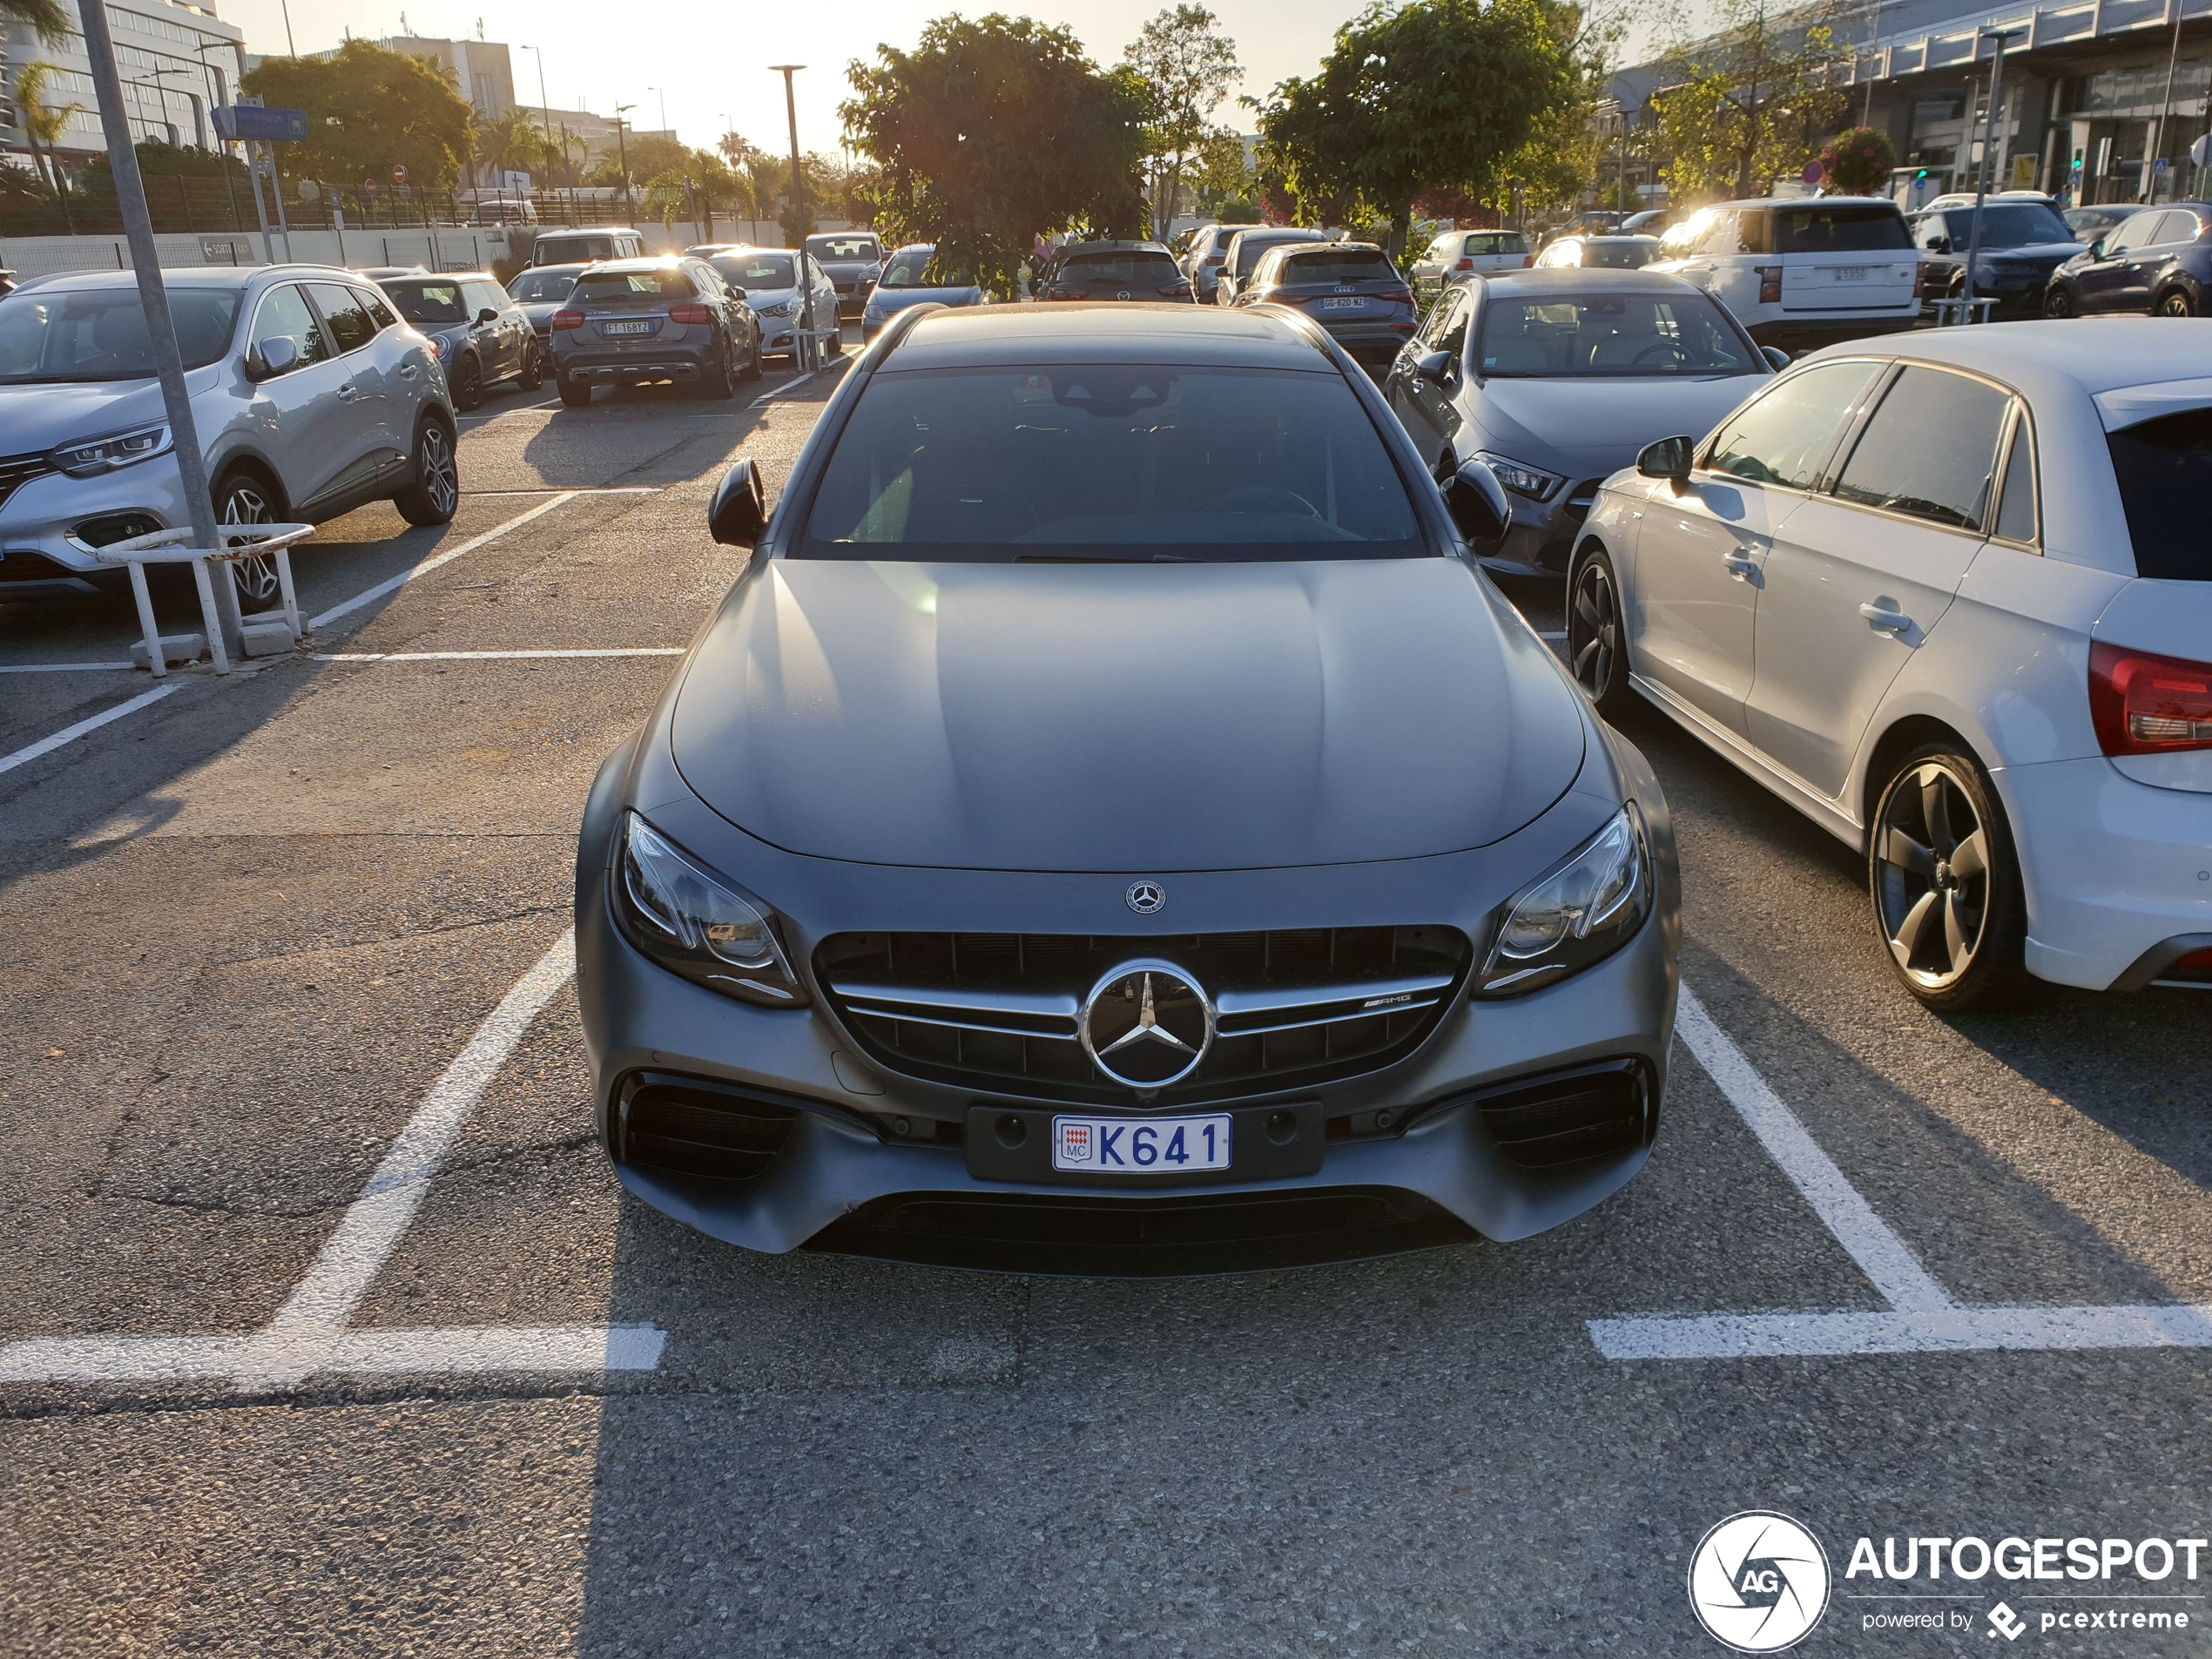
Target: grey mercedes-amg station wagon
(1113, 826)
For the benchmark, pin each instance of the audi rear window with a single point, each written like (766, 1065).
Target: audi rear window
(1352, 265)
(1110, 464)
(621, 288)
(1877, 228)
(2165, 471)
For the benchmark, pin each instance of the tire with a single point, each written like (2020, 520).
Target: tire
(1955, 937)
(835, 345)
(533, 366)
(2175, 303)
(2058, 302)
(245, 497)
(574, 395)
(468, 383)
(714, 378)
(433, 493)
(752, 369)
(1597, 639)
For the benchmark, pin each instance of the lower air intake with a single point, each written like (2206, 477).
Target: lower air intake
(1595, 1112)
(686, 1126)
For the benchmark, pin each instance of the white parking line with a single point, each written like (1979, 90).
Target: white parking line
(370, 595)
(579, 489)
(309, 1336)
(61, 668)
(1924, 1316)
(71, 733)
(488, 656)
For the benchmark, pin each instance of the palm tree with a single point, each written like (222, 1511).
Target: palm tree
(44, 124)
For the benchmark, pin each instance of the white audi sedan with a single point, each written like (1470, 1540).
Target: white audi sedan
(1950, 595)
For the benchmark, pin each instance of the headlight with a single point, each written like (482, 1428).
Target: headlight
(693, 922)
(440, 344)
(1580, 913)
(105, 455)
(781, 308)
(1520, 478)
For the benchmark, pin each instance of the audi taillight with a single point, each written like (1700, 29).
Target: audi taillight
(690, 314)
(568, 319)
(1770, 284)
(1464, 265)
(2145, 705)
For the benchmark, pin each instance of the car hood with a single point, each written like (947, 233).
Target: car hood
(848, 267)
(1589, 427)
(541, 312)
(35, 418)
(2044, 254)
(1124, 716)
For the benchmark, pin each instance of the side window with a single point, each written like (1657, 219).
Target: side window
(284, 311)
(1455, 337)
(2016, 507)
(2177, 225)
(349, 324)
(1720, 237)
(1930, 230)
(1784, 437)
(1930, 450)
(486, 296)
(1441, 249)
(1451, 304)
(2135, 231)
(1755, 231)
(378, 313)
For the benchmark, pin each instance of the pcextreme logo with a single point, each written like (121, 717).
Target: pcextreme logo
(1758, 1581)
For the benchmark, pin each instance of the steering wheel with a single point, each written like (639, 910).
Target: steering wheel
(1669, 346)
(1263, 498)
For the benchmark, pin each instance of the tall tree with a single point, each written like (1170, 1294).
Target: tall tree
(993, 132)
(1188, 66)
(1752, 100)
(1434, 95)
(368, 111)
(42, 125)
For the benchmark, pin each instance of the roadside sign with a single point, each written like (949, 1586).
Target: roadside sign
(1811, 174)
(368, 186)
(2201, 151)
(399, 175)
(2159, 167)
(269, 127)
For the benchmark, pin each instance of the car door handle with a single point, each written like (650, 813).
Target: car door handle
(409, 372)
(1741, 566)
(348, 392)
(1886, 619)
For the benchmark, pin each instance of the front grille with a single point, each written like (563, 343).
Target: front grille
(1549, 1122)
(16, 471)
(686, 1126)
(1000, 1011)
(1083, 1233)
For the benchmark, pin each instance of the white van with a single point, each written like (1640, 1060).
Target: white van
(582, 247)
(1801, 271)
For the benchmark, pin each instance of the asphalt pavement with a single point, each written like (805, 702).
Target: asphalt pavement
(324, 1328)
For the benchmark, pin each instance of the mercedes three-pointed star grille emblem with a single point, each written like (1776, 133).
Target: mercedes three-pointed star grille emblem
(1146, 1025)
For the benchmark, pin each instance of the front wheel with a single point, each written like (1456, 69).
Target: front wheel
(2058, 302)
(533, 366)
(1597, 635)
(751, 370)
(1945, 885)
(242, 498)
(467, 384)
(2176, 304)
(433, 493)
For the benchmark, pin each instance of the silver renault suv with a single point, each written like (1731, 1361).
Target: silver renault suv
(310, 396)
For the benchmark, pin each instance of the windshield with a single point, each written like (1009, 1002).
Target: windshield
(572, 248)
(1612, 334)
(842, 248)
(618, 286)
(545, 283)
(1617, 252)
(1349, 265)
(1110, 462)
(1876, 227)
(1250, 248)
(751, 271)
(916, 268)
(2007, 224)
(427, 305)
(2164, 469)
(100, 333)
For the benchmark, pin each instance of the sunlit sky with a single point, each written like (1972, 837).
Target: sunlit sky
(710, 60)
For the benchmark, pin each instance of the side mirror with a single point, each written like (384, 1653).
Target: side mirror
(1668, 459)
(1477, 502)
(1937, 245)
(739, 514)
(276, 355)
(1433, 366)
(736, 292)
(2097, 248)
(1776, 355)
(488, 315)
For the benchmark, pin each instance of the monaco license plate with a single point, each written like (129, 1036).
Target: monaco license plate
(1850, 274)
(1355, 303)
(638, 328)
(1120, 1145)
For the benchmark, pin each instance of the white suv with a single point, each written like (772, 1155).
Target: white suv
(311, 397)
(1801, 271)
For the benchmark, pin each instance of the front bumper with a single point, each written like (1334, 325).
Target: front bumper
(1809, 334)
(43, 524)
(2113, 868)
(876, 1162)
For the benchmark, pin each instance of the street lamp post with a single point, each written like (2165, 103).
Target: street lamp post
(621, 150)
(545, 104)
(1997, 37)
(806, 354)
(2152, 151)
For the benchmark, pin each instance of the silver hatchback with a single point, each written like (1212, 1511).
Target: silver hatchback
(310, 394)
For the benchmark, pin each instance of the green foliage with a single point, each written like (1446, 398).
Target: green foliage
(368, 111)
(50, 20)
(1187, 66)
(993, 132)
(1858, 160)
(1434, 95)
(1222, 185)
(159, 160)
(649, 155)
(514, 142)
(1750, 103)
